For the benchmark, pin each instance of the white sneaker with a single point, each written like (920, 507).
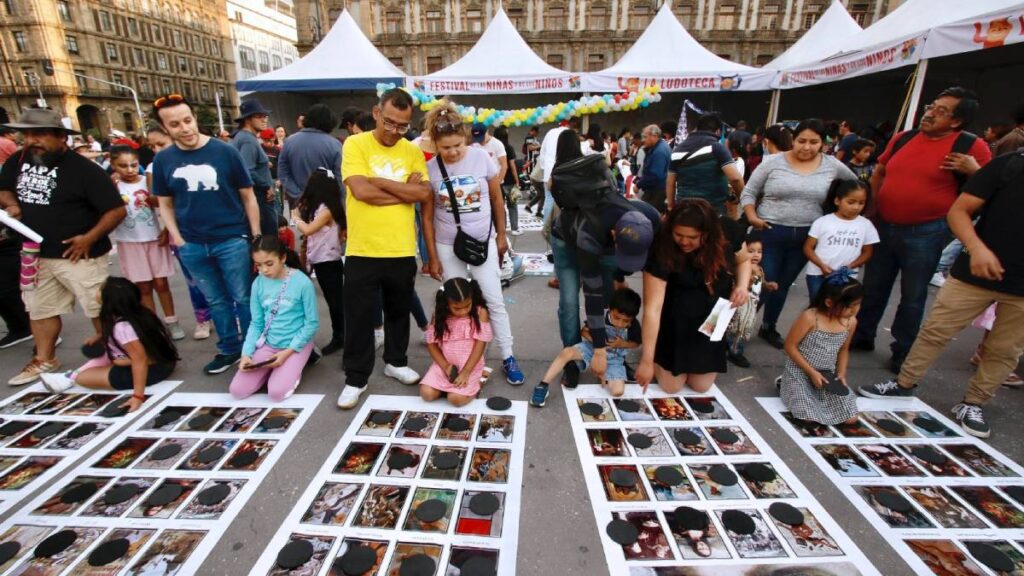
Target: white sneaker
(517, 232)
(938, 280)
(378, 338)
(349, 397)
(403, 374)
(56, 383)
(174, 329)
(202, 331)
(423, 337)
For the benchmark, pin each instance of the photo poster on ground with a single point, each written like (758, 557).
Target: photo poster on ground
(413, 487)
(947, 502)
(43, 434)
(528, 222)
(536, 264)
(158, 496)
(682, 484)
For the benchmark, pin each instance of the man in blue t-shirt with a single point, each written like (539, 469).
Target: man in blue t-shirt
(210, 211)
(702, 168)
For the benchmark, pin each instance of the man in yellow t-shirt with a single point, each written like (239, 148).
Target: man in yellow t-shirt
(385, 175)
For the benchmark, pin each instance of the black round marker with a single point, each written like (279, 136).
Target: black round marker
(622, 478)
(294, 554)
(928, 424)
(893, 502)
(243, 459)
(669, 476)
(447, 460)
(122, 493)
(990, 556)
(79, 493)
(13, 427)
(456, 424)
(725, 436)
(415, 424)
(418, 565)
(628, 406)
(47, 430)
(274, 422)
(758, 472)
(213, 495)
(702, 406)
(478, 566)
(164, 495)
(639, 440)
(382, 418)
(688, 518)
(9, 550)
(499, 403)
(211, 454)
(109, 552)
(400, 460)
(201, 422)
(622, 532)
(484, 504)
(165, 452)
(166, 417)
(591, 409)
(356, 560)
(1015, 492)
(80, 431)
(55, 544)
(929, 455)
(114, 410)
(786, 514)
(431, 510)
(891, 426)
(687, 437)
(738, 522)
(722, 476)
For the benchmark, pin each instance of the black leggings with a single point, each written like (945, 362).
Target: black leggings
(121, 376)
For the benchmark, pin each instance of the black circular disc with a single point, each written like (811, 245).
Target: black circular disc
(641, 441)
(478, 566)
(499, 403)
(108, 552)
(274, 422)
(629, 406)
(786, 514)
(415, 424)
(94, 350)
(622, 478)
(928, 424)
(294, 554)
(400, 460)
(55, 544)
(687, 437)
(891, 426)
(79, 493)
(47, 430)
(166, 417)
(990, 556)
(687, 518)
(622, 532)
(837, 387)
(725, 436)
(669, 476)
(243, 459)
(12, 428)
(165, 452)
(929, 455)
(211, 454)
(758, 472)
(114, 410)
(722, 476)
(213, 495)
(164, 495)
(9, 550)
(893, 502)
(121, 493)
(431, 510)
(80, 431)
(447, 460)
(702, 406)
(356, 560)
(456, 424)
(1015, 492)
(418, 565)
(484, 504)
(591, 409)
(738, 522)
(201, 422)
(382, 418)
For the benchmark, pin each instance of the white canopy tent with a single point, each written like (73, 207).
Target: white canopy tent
(666, 55)
(343, 60)
(500, 62)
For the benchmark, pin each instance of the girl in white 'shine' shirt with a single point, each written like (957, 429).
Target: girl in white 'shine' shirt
(842, 238)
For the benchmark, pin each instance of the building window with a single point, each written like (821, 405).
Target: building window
(860, 13)
(769, 22)
(215, 48)
(595, 62)
(247, 57)
(9, 5)
(133, 26)
(809, 20)
(725, 56)
(176, 35)
(685, 15)
(392, 22)
(83, 84)
(186, 88)
(554, 19)
(144, 85)
(65, 10)
(111, 51)
(71, 43)
(182, 64)
(20, 42)
(129, 121)
(287, 61)
(763, 59)
(201, 67)
(640, 17)
(726, 18)
(118, 81)
(105, 23)
(204, 92)
(598, 19)
(435, 22)
(397, 61)
(517, 17)
(474, 21)
(264, 61)
(167, 86)
(276, 61)
(556, 60)
(434, 63)
(158, 33)
(138, 59)
(161, 61)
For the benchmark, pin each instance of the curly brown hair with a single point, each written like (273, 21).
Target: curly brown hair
(709, 258)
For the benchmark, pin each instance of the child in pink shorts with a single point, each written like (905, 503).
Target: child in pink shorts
(456, 339)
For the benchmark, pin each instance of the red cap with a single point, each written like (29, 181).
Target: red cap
(126, 142)
(267, 134)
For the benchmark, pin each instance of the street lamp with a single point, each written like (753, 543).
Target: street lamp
(135, 95)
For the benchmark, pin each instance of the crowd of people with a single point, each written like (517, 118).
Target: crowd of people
(718, 215)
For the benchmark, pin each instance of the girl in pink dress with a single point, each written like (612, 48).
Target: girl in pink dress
(456, 339)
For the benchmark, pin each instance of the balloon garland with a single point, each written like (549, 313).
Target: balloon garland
(549, 113)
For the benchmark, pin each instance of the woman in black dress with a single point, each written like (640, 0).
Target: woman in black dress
(697, 258)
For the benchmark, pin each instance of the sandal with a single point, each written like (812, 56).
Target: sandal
(1013, 381)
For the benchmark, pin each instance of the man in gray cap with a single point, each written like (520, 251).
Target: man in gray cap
(251, 120)
(72, 203)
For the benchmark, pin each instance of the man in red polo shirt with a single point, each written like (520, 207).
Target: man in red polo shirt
(917, 180)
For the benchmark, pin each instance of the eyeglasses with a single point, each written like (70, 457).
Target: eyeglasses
(394, 126)
(169, 100)
(447, 125)
(938, 110)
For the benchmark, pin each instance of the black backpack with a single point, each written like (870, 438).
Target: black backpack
(581, 187)
(962, 145)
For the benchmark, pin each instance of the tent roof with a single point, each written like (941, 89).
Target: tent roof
(666, 54)
(501, 62)
(343, 60)
(827, 36)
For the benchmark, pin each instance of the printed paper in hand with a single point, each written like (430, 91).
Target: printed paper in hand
(717, 322)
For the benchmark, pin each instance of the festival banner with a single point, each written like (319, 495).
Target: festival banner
(886, 57)
(993, 30)
(704, 82)
(496, 85)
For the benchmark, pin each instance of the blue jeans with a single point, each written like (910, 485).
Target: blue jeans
(223, 272)
(568, 274)
(782, 262)
(421, 241)
(949, 256)
(912, 252)
(814, 284)
(199, 305)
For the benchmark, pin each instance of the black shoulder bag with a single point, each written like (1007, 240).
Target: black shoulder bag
(468, 249)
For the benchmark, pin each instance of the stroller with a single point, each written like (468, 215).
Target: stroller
(526, 188)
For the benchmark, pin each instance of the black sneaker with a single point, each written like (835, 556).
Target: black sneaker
(540, 395)
(863, 345)
(739, 360)
(13, 338)
(770, 335)
(315, 356)
(889, 389)
(333, 346)
(221, 362)
(571, 375)
(972, 419)
(896, 363)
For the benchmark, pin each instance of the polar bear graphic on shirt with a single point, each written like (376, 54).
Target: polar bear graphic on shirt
(196, 175)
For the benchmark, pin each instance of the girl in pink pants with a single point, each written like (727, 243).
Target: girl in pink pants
(284, 321)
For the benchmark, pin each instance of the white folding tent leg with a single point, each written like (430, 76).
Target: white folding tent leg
(773, 107)
(915, 95)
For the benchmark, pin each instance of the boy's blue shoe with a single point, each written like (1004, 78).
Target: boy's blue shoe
(540, 395)
(513, 374)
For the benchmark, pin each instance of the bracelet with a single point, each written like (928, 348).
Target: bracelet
(137, 397)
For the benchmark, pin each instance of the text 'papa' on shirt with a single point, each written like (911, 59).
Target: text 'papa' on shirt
(204, 184)
(916, 189)
(61, 200)
(787, 197)
(469, 178)
(840, 241)
(380, 231)
(140, 225)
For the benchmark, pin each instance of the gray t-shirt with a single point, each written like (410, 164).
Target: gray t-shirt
(784, 196)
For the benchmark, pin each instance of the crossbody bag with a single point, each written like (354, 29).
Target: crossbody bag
(466, 248)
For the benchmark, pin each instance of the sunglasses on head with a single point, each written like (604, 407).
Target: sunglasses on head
(169, 100)
(447, 125)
